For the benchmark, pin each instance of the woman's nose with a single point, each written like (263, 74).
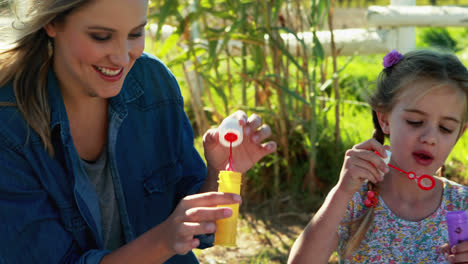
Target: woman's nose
(120, 54)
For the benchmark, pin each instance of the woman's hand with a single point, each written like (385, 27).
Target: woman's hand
(360, 164)
(246, 154)
(195, 215)
(456, 254)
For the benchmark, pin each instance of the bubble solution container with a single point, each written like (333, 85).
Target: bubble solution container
(457, 223)
(226, 229)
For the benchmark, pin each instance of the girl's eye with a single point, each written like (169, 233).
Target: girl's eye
(445, 130)
(414, 123)
(100, 37)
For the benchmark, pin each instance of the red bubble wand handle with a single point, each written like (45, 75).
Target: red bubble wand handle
(425, 182)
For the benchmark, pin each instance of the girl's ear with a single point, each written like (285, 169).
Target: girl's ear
(462, 131)
(383, 121)
(51, 29)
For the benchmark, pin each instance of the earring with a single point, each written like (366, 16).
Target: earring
(50, 47)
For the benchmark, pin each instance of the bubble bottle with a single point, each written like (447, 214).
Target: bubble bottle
(229, 181)
(457, 224)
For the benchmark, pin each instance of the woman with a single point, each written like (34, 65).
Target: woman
(96, 153)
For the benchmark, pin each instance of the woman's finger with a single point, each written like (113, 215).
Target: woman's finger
(202, 214)
(210, 199)
(241, 116)
(211, 136)
(192, 229)
(269, 147)
(182, 247)
(262, 133)
(254, 122)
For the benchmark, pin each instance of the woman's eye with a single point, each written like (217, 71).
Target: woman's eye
(136, 35)
(414, 123)
(100, 37)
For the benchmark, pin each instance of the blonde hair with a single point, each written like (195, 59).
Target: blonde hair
(391, 84)
(27, 60)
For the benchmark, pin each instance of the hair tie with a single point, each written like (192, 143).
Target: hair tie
(392, 58)
(371, 199)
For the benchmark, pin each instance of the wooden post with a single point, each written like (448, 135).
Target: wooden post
(405, 36)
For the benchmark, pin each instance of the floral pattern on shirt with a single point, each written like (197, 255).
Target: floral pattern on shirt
(391, 239)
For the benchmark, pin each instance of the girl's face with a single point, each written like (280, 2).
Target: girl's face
(423, 130)
(96, 45)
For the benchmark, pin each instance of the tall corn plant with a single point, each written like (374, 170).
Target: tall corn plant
(263, 73)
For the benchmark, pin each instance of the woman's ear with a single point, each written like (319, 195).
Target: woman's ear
(51, 29)
(383, 121)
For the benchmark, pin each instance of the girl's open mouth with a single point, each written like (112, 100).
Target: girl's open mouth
(423, 157)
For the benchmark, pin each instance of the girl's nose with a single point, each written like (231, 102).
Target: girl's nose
(429, 136)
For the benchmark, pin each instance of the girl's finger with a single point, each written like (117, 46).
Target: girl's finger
(375, 160)
(372, 145)
(362, 170)
(459, 257)
(371, 157)
(461, 247)
(445, 248)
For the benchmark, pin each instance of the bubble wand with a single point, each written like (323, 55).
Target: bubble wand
(425, 182)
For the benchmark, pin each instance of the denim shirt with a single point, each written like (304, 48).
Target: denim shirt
(49, 211)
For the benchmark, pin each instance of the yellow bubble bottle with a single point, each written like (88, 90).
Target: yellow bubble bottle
(226, 229)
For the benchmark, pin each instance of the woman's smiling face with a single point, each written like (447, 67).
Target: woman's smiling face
(424, 129)
(96, 45)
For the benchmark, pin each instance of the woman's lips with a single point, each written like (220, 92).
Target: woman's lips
(109, 74)
(423, 157)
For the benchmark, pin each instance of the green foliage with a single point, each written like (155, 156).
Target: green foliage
(439, 38)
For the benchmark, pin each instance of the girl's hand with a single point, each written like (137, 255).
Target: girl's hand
(362, 163)
(456, 254)
(195, 215)
(250, 151)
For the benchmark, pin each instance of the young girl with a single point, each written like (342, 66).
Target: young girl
(375, 213)
(97, 163)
